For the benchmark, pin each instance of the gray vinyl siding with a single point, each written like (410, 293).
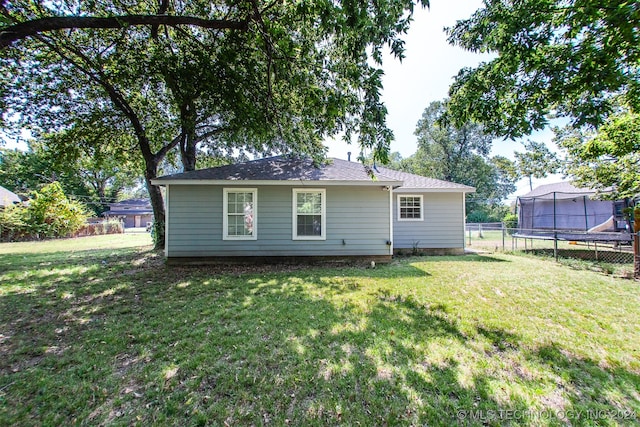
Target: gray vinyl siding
(442, 226)
(357, 223)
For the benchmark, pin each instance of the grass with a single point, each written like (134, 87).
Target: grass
(577, 255)
(96, 331)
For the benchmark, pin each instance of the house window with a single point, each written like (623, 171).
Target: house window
(309, 214)
(410, 208)
(240, 214)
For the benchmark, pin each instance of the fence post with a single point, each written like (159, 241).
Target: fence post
(636, 255)
(555, 244)
(480, 231)
(503, 235)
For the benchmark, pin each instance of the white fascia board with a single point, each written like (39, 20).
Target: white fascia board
(301, 183)
(434, 190)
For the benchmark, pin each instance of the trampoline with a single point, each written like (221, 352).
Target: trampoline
(563, 212)
(575, 236)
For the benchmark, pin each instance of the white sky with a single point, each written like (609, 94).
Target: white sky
(425, 75)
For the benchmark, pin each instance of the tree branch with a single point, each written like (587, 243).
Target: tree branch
(168, 147)
(15, 32)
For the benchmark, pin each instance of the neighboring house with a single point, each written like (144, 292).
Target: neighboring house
(562, 206)
(8, 198)
(132, 212)
(287, 207)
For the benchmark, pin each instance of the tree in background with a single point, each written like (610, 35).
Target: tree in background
(536, 162)
(461, 154)
(258, 76)
(552, 58)
(103, 159)
(49, 214)
(97, 178)
(607, 160)
(569, 58)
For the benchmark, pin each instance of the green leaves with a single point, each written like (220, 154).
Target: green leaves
(48, 214)
(460, 154)
(607, 160)
(566, 58)
(536, 162)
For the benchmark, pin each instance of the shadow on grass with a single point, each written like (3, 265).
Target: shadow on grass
(137, 342)
(455, 258)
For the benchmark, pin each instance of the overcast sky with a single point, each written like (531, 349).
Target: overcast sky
(425, 75)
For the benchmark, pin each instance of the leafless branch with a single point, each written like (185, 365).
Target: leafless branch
(12, 33)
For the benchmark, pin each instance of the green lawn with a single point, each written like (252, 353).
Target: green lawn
(99, 331)
(609, 259)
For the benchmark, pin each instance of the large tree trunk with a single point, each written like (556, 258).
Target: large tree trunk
(157, 204)
(189, 142)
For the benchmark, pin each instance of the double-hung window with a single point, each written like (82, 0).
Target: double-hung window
(309, 214)
(240, 214)
(410, 208)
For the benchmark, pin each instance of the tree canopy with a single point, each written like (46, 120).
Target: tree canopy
(291, 75)
(608, 159)
(536, 162)
(565, 58)
(461, 154)
(94, 174)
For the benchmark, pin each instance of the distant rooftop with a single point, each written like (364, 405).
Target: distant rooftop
(7, 197)
(562, 190)
(133, 202)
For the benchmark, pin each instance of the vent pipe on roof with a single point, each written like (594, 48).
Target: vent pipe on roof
(349, 155)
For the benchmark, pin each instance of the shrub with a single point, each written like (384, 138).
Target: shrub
(12, 223)
(49, 214)
(112, 226)
(510, 221)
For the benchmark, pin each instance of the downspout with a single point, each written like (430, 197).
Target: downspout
(391, 220)
(464, 221)
(167, 219)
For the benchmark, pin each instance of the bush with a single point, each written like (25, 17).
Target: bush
(49, 214)
(510, 221)
(12, 223)
(487, 213)
(112, 226)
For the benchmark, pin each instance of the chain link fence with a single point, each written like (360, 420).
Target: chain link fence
(611, 248)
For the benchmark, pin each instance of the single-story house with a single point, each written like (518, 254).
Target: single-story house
(132, 212)
(8, 198)
(290, 207)
(562, 206)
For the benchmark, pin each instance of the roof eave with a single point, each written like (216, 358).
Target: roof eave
(292, 182)
(435, 190)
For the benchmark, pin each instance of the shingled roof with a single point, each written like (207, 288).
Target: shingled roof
(414, 182)
(558, 190)
(289, 168)
(8, 197)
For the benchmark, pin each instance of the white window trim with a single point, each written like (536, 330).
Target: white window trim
(421, 208)
(225, 213)
(294, 221)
